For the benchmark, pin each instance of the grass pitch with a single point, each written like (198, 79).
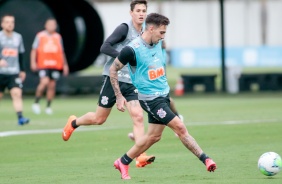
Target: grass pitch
(233, 129)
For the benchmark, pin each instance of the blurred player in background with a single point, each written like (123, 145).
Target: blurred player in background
(48, 59)
(146, 60)
(11, 64)
(121, 36)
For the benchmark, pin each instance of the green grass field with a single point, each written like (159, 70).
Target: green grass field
(233, 129)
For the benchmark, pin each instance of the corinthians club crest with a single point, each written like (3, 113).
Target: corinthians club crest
(104, 100)
(161, 113)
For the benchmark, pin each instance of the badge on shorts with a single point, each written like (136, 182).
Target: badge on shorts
(55, 75)
(42, 73)
(104, 100)
(161, 113)
(18, 80)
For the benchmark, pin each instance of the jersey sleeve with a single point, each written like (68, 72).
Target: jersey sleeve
(127, 55)
(21, 46)
(117, 36)
(35, 42)
(62, 43)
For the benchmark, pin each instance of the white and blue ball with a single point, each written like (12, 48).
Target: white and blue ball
(270, 163)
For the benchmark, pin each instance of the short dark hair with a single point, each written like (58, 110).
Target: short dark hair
(6, 15)
(135, 2)
(157, 20)
(50, 18)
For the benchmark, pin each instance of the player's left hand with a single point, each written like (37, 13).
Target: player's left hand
(22, 76)
(3, 63)
(120, 101)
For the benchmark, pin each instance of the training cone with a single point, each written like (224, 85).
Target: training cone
(179, 88)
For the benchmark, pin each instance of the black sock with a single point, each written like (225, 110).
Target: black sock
(49, 103)
(203, 157)
(37, 98)
(176, 113)
(73, 124)
(20, 114)
(126, 160)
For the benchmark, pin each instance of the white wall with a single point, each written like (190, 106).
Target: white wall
(197, 23)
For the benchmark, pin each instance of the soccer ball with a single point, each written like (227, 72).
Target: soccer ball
(269, 163)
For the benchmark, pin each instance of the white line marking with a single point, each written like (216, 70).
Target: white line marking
(49, 131)
(84, 129)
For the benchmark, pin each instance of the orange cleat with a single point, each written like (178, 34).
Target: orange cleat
(123, 169)
(68, 129)
(210, 164)
(143, 160)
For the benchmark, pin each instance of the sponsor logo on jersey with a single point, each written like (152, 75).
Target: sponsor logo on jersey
(9, 52)
(156, 59)
(136, 45)
(161, 113)
(50, 47)
(156, 73)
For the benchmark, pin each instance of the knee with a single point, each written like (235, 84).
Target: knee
(137, 115)
(51, 87)
(138, 119)
(44, 82)
(94, 120)
(100, 120)
(15, 94)
(154, 138)
(181, 130)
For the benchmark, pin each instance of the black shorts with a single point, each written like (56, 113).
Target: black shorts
(10, 81)
(50, 73)
(158, 110)
(107, 97)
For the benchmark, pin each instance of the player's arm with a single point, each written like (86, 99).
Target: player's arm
(21, 62)
(33, 66)
(33, 54)
(3, 62)
(22, 73)
(117, 36)
(126, 55)
(65, 65)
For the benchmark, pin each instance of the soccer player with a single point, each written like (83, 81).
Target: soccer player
(121, 36)
(48, 59)
(12, 72)
(145, 59)
(172, 105)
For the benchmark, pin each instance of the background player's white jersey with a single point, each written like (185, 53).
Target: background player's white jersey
(10, 47)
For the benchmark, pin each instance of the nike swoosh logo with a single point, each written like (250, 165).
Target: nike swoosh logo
(154, 54)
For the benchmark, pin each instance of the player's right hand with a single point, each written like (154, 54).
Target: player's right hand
(3, 63)
(120, 102)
